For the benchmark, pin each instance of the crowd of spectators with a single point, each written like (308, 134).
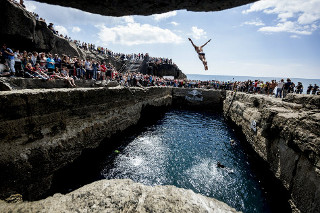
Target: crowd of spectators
(272, 88)
(99, 49)
(47, 67)
(19, 4)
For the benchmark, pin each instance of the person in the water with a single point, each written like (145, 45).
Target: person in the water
(201, 54)
(232, 142)
(219, 165)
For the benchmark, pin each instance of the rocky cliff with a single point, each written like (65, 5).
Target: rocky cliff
(164, 70)
(285, 134)
(122, 196)
(200, 99)
(147, 7)
(20, 30)
(41, 131)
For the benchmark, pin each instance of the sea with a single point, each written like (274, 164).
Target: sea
(305, 82)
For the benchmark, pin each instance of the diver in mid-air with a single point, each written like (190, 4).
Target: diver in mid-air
(200, 52)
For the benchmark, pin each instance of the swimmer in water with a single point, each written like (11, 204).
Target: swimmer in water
(219, 165)
(232, 142)
(200, 52)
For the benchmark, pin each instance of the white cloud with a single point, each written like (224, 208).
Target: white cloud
(76, 29)
(256, 22)
(30, 6)
(136, 34)
(128, 19)
(174, 23)
(288, 26)
(294, 16)
(158, 17)
(61, 29)
(198, 33)
(294, 36)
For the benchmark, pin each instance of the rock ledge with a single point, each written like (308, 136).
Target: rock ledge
(122, 196)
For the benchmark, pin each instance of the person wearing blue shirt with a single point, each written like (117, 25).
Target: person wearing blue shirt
(50, 63)
(57, 60)
(9, 56)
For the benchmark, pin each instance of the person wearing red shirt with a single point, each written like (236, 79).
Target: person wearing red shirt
(103, 69)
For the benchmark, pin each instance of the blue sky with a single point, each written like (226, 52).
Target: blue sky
(269, 38)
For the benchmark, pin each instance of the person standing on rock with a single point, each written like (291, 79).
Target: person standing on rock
(201, 54)
(9, 56)
(280, 85)
(50, 63)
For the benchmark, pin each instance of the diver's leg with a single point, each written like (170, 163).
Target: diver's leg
(205, 62)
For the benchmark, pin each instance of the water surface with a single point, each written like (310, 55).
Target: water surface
(183, 149)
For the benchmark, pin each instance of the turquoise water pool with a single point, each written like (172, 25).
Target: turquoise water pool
(183, 150)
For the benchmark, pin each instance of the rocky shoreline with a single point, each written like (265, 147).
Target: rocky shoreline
(122, 196)
(285, 134)
(46, 129)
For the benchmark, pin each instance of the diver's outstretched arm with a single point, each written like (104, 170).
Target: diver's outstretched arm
(191, 42)
(206, 43)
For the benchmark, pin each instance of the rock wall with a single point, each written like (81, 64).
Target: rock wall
(164, 70)
(201, 99)
(41, 131)
(147, 7)
(20, 30)
(19, 83)
(285, 134)
(122, 196)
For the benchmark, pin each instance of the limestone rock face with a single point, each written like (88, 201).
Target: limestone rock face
(286, 134)
(165, 70)
(198, 98)
(122, 196)
(44, 130)
(20, 30)
(147, 7)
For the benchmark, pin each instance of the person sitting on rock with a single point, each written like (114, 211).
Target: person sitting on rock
(200, 52)
(56, 74)
(38, 72)
(50, 26)
(22, 3)
(28, 71)
(65, 75)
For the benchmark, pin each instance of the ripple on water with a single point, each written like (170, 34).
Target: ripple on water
(183, 150)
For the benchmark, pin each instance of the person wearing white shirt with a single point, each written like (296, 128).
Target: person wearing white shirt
(280, 85)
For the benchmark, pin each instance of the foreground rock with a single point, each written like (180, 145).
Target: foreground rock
(44, 130)
(147, 7)
(122, 196)
(285, 134)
